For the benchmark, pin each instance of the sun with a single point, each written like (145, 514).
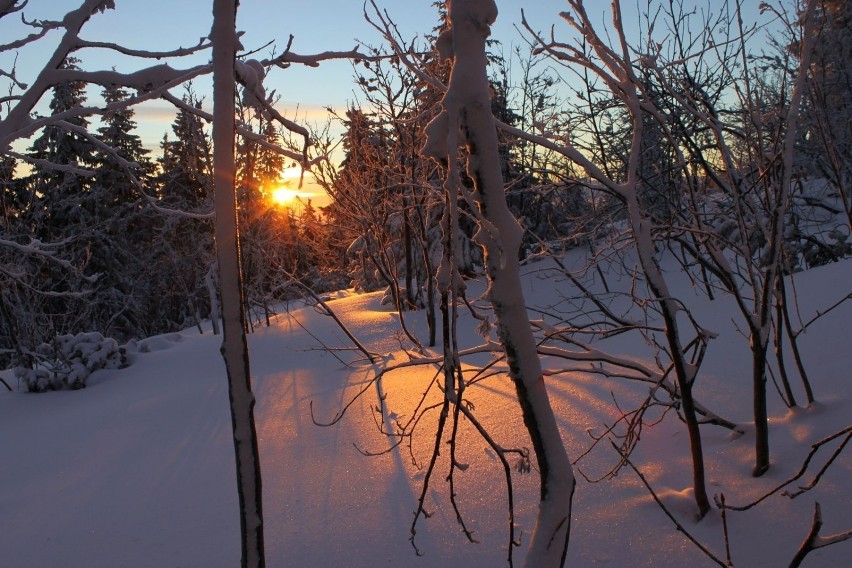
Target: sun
(283, 195)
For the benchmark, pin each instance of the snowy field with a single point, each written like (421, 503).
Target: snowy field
(137, 469)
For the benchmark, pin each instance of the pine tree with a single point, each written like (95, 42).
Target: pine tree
(11, 207)
(118, 236)
(58, 194)
(12, 194)
(186, 161)
(55, 211)
(117, 131)
(829, 113)
(183, 250)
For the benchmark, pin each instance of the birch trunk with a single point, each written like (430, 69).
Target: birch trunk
(234, 345)
(467, 115)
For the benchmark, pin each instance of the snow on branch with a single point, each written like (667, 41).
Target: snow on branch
(44, 28)
(11, 6)
(313, 60)
(48, 165)
(19, 116)
(203, 44)
(37, 248)
(250, 75)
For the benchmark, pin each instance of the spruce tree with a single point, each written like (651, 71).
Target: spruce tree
(117, 235)
(183, 252)
(55, 212)
(185, 179)
(57, 192)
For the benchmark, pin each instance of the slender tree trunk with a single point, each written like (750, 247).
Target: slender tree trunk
(423, 234)
(234, 345)
(778, 343)
(467, 114)
(410, 298)
(212, 291)
(641, 226)
(685, 373)
(774, 260)
(794, 343)
(761, 416)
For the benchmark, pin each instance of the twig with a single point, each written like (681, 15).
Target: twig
(677, 524)
(372, 357)
(814, 448)
(721, 505)
(814, 540)
(824, 312)
(326, 348)
(818, 476)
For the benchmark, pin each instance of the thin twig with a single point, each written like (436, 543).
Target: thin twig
(677, 524)
(814, 448)
(813, 540)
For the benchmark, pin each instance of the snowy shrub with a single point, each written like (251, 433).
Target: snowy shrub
(810, 251)
(68, 360)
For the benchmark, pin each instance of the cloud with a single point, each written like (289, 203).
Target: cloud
(155, 111)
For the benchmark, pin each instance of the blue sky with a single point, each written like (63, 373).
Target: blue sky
(317, 26)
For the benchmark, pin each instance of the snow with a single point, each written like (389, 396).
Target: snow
(137, 469)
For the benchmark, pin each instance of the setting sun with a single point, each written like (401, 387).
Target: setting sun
(283, 195)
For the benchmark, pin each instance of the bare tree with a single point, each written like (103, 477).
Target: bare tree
(466, 121)
(613, 66)
(234, 344)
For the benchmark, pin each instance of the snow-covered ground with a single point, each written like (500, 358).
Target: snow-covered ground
(137, 469)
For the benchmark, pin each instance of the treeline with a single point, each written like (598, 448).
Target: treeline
(102, 236)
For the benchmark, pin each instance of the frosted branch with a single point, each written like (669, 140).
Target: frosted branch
(203, 44)
(314, 60)
(814, 540)
(11, 6)
(241, 130)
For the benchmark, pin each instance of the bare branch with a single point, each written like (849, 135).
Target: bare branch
(814, 448)
(668, 513)
(814, 540)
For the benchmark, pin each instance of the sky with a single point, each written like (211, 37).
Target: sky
(305, 92)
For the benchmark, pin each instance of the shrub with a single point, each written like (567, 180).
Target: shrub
(67, 361)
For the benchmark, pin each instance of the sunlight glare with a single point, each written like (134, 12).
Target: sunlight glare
(283, 195)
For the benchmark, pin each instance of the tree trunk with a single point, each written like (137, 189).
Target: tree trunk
(467, 113)
(685, 373)
(761, 417)
(234, 345)
(410, 301)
